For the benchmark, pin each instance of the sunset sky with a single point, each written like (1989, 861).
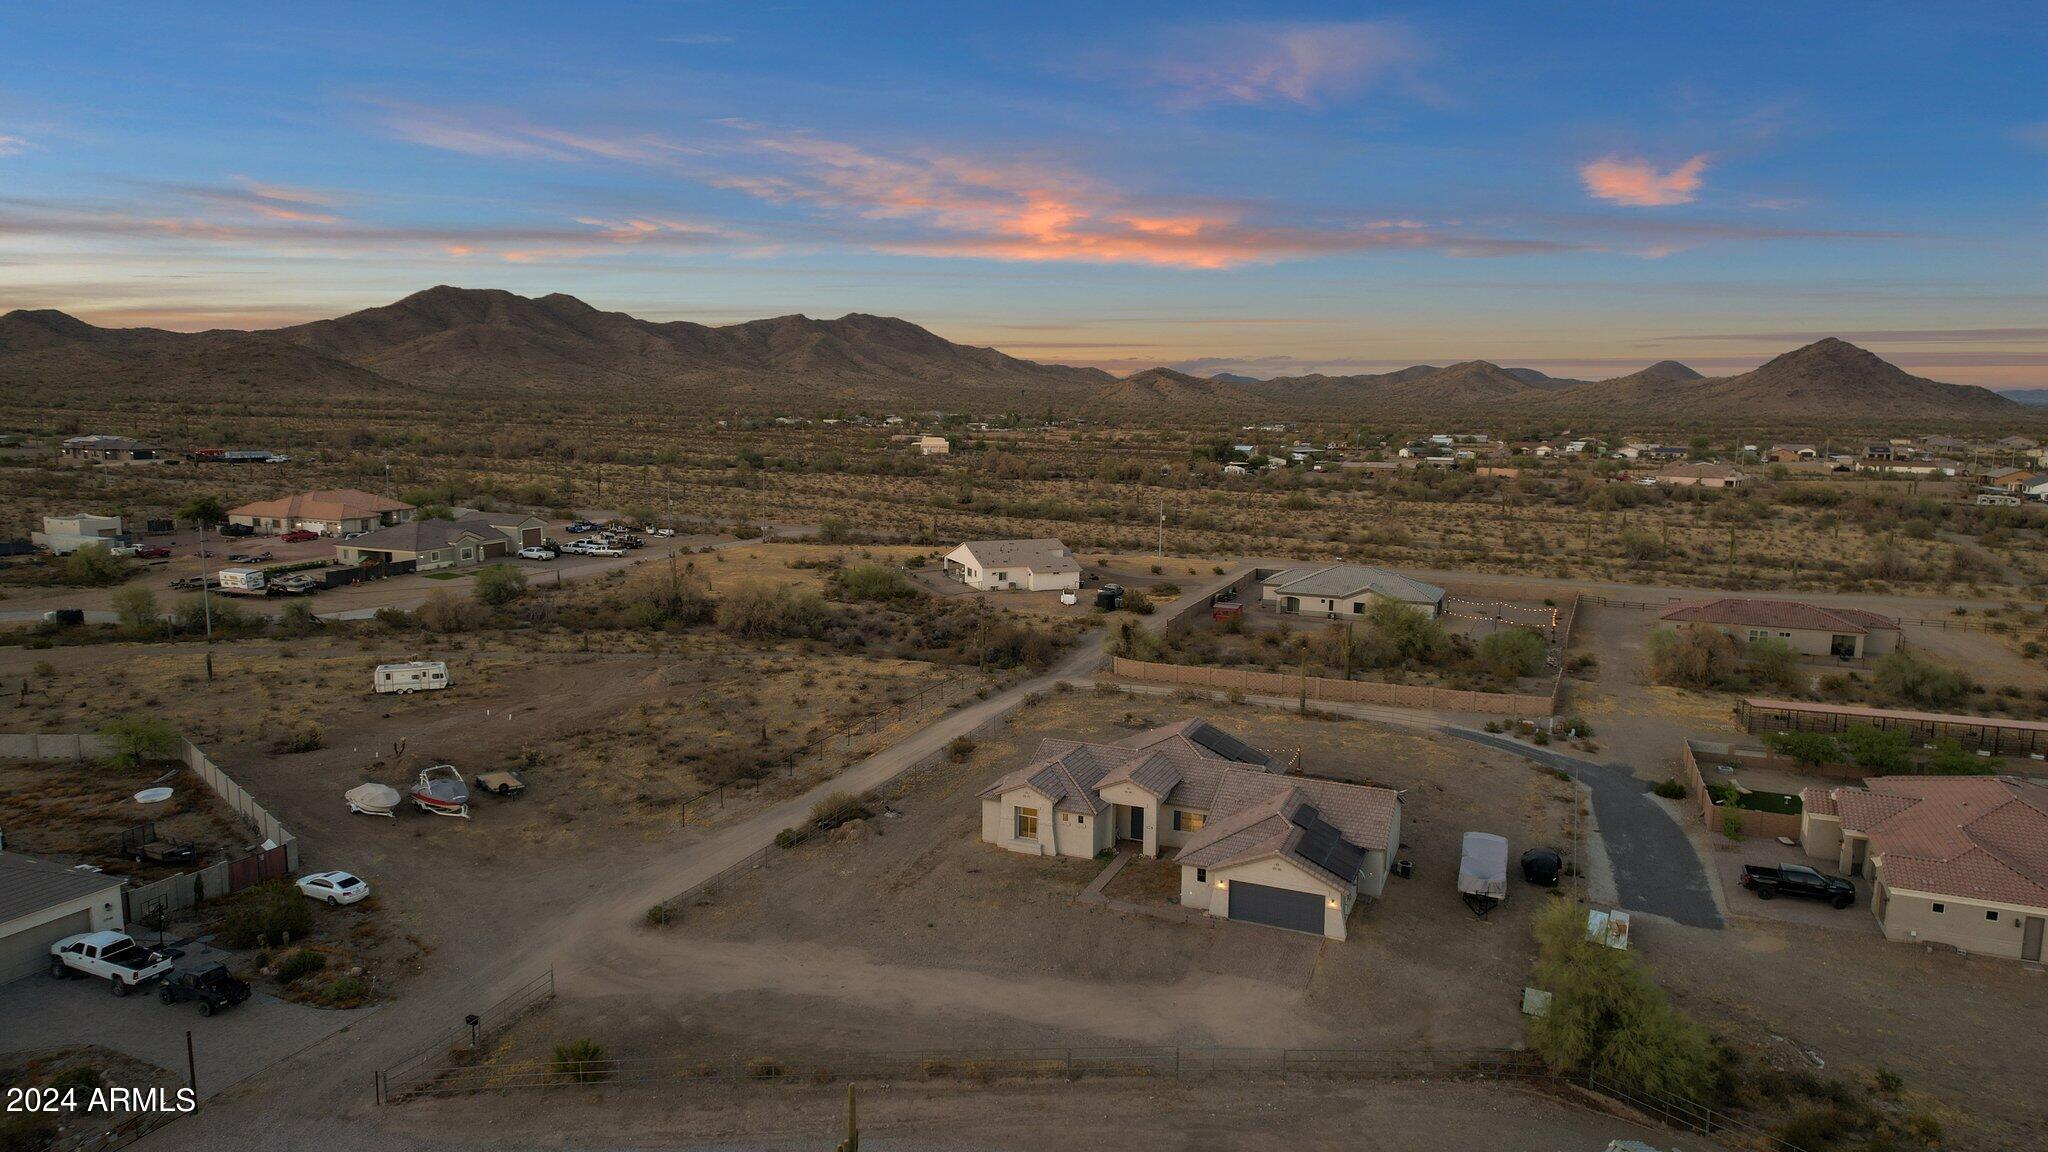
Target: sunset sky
(1270, 189)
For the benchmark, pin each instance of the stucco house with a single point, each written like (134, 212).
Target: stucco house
(328, 511)
(64, 535)
(1337, 591)
(1029, 565)
(427, 544)
(1956, 860)
(41, 903)
(1811, 630)
(1253, 844)
(518, 528)
(934, 445)
(1703, 476)
(109, 449)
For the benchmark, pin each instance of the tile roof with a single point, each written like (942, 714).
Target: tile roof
(323, 504)
(1324, 826)
(1344, 581)
(1182, 764)
(1748, 613)
(1037, 555)
(31, 886)
(1971, 837)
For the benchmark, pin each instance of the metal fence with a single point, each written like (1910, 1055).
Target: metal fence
(982, 1065)
(420, 1072)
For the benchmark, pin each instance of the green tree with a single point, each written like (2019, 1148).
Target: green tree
(95, 566)
(137, 739)
(1396, 633)
(1606, 1017)
(1692, 657)
(1810, 748)
(872, 581)
(498, 584)
(1512, 652)
(205, 511)
(759, 611)
(1883, 751)
(138, 609)
(1915, 679)
(1772, 663)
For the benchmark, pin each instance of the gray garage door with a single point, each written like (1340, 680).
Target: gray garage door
(1279, 907)
(28, 951)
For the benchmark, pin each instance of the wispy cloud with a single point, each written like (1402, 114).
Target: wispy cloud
(1882, 335)
(515, 139)
(269, 201)
(1639, 183)
(12, 145)
(1306, 64)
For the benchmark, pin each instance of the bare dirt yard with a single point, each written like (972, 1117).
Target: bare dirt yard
(78, 810)
(912, 934)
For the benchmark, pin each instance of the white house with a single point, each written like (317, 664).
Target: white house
(934, 445)
(1252, 844)
(67, 534)
(1337, 591)
(41, 903)
(1027, 565)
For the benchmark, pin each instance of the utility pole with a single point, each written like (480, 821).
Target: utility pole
(1162, 528)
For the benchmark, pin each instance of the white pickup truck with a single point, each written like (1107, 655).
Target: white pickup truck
(111, 956)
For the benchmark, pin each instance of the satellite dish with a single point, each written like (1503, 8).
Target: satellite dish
(153, 795)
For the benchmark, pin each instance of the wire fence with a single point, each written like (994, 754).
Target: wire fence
(447, 1054)
(843, 742)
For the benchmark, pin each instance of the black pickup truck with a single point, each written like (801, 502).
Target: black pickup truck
(1797, 880)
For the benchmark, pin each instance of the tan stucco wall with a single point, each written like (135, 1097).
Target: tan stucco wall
(1277, 873)
(997, 823)
(1820, 836)
(1910, 916)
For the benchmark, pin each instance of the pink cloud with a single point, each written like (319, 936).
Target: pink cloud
(1310, 64)
(1640, 184)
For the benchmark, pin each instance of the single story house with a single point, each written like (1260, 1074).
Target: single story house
(520, 529)
(329, 512)
(1030, 565)
(1704, 476)
(1956, 860)
(427, 544)
(1791, 453)
(1338, 591)
(2018, 443)
(109, 448)
(934, 445)
(64, 535)
(1253, 844)
(41, 903)
(1811, 630)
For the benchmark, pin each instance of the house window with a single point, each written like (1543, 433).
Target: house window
(1027, 823)
(1188, 821)
(1939, 907)
(1991, 916)
(1358, 606)
(1756, 634)
(1201, 875)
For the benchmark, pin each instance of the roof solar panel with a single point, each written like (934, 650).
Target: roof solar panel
(1322, 845)
(1305, 816)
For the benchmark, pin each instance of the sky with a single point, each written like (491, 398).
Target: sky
(1258, 188)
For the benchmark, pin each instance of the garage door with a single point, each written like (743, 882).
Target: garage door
(1279, 907)
(28, 951)
(496, 548)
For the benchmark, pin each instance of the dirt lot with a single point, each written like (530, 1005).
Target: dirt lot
(916, 935)
(77, 810)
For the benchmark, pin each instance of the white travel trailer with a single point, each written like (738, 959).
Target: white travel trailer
(412, 676)
(244, 581)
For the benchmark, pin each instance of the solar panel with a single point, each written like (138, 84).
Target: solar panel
(1225, 745)
(1322, 845)
(1305, 816)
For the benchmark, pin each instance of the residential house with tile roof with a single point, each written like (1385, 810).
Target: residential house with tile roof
(1956, 860)
(1340, 591)
(1811, 629)
(1027, 565)
(327, 511)
(1253, 843)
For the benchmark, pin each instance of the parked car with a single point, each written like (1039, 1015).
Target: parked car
(602, 548)
(1797, 880)
(237, 530)
(151, 552)
(536, 554)
(211, 984)
(111, 956)
(581, 526)
(121, 550)
(299, 536)
(664, 533)
(66, 617)
(574, 548)
(335, 888)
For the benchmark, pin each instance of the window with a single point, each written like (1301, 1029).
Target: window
(1756, 634)
(1201, 875)
(1027, 823)
(1358, 606)
(1992, 916)
(1188, 821)
(1939, 907)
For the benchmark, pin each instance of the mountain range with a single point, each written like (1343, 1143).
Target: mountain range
(492, 344)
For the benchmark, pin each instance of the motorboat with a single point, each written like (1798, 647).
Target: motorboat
(374, 800)
(441, 790)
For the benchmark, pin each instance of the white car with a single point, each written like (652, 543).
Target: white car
(603, 548)
(335, 888)
(536, 554)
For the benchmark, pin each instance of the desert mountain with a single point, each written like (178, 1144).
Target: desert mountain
(1233, 378)
(494, 345)
(2032, 397)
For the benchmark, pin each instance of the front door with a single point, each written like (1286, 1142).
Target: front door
(1293, 604)
(1138, 824)
(2030, 944)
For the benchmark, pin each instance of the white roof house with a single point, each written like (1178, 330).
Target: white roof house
(1026, 565)
(1339, 590)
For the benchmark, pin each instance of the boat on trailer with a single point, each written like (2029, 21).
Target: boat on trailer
(441, 790)
(373, 800)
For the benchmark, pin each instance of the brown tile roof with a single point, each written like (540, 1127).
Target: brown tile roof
(324, 504)
(1186, 759)
(1818, 802)
(1256, 815)
(1790, 614)
(1971, 837)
